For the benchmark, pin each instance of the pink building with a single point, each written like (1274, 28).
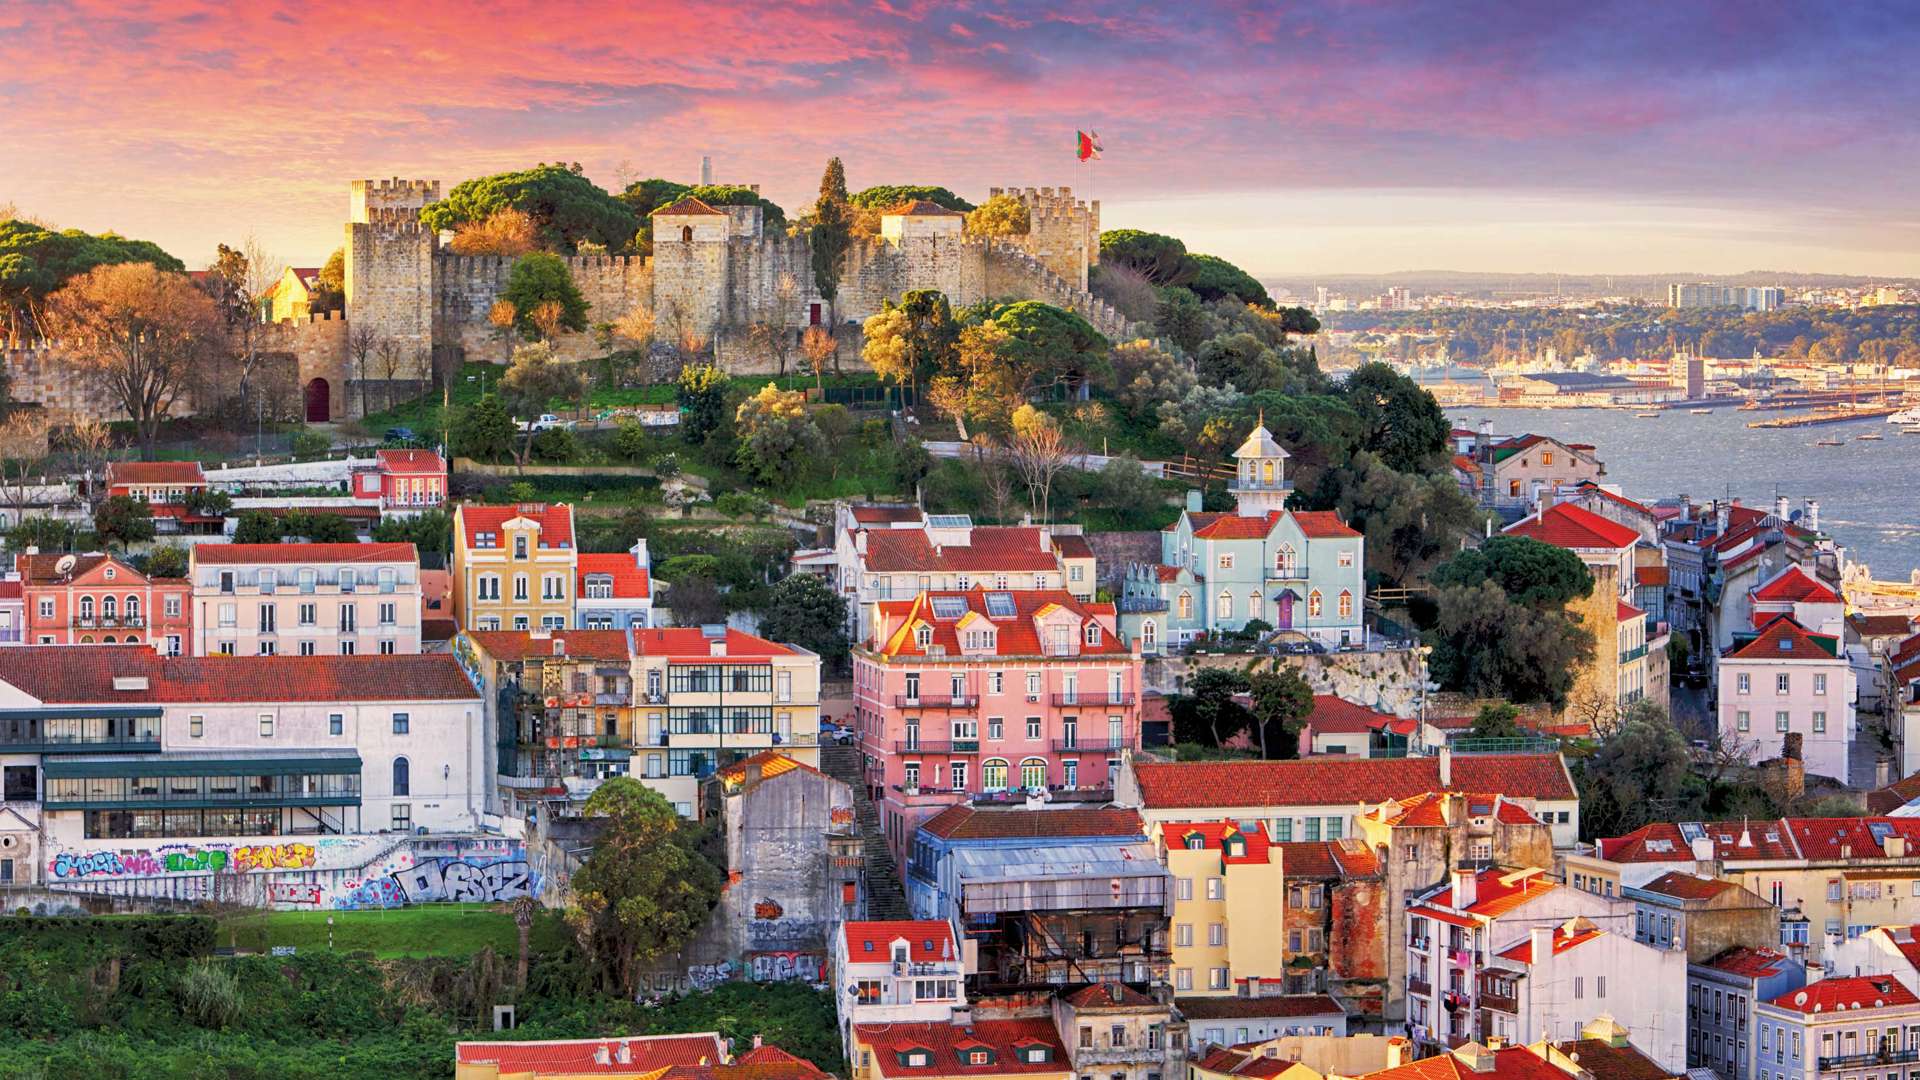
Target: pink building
(973, 694)
(403, 481)
(1787, 680)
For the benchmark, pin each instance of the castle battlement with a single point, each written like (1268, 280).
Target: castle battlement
(398, 188)
(398, 219)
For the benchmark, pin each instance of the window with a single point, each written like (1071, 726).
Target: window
(386, 647)
(388, 613)
(1346, 604)
(1313, 604)
(520, 547)
(1346, 560)
(266, 648)
(958, 773)
(1033, 773)
(1185, 889)
(1216, 889)
(1783, 683)
(1093, 633)
(306, 614)
(402, 776)
(349, 618)
(519, 586)
(1546, 457)
(229, 615)
(1226, 561)
(1183, 605)
(1216, 934)
(348, 579)
(46, 607)
(1183, 979)
(1780, 720)
(1820, 684)
(1579, 987)
(196, 726)
(553, 587)
(402, 817)
(489, 587)
(1283, 560)
(1183, 935)
(269, 618)
(996, 728)
(346, 647)
(912, 774)
(1217, 978)
(1033, 688)
(1226, 605)
(1743, 683)
(1743, 721)
(336, 724)
(1033, 727)
(226, 581)
(993, 774)
(401, 723)
(266, 725)
(1149, 634)
(996, 682)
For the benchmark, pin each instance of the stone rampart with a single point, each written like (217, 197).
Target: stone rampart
(36, 373)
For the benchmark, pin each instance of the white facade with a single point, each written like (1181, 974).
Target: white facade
(1558, 988)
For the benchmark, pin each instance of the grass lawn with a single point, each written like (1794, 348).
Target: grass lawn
(423, 930)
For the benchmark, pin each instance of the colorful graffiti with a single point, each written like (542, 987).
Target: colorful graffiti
(356, 895)
(784, 967)
(768, 908)
(195, 860)
(74, 864)
(295, 856)
(708, 976)
(180, 859)
(458, 881)
(294, 892)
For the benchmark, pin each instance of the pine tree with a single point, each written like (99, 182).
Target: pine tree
(832, 231)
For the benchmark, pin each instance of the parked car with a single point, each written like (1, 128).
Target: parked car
(547, 422)
(402, 435)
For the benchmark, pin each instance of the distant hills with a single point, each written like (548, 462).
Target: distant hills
(1508, 286)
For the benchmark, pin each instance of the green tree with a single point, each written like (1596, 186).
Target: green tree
(207, 502)
(1487, 646)
(47, 534)
(1403, 424)
(1281, 700)
(541, 289)
(567, 208)
(702, 396)
(534, 380)
(1213, 278)
(778, 442)
(318, 527)
(1411, 522)
(1530, 571)
(1182, 319)
(1638, 774)
(1049, 346)
(804, 610)
(772, 218)
(1162, 260)
(1498, 721)
(1239, 360)
(646, 888)
(123, 520)
(256, 527)
(832, 232)
(167, 561)
(887, 196)
(332, 292)
(485, 431)
(35, 262)
(1206, 712)
(695, 601)
(431, 533)
(1002, 215)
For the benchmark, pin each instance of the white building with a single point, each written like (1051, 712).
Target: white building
(1560, 976)
(899, 971)
(304, 599)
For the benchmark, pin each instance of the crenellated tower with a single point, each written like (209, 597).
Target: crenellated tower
(390, 265)
(1063, 232)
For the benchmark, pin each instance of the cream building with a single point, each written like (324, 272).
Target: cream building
(1227, 892)
(305, 599)
(514, 567)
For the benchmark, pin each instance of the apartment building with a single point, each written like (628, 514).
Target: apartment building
(614, 590)
(97, 599)
(305, 599)
(1027, 1047)
(559, 706)
(1559, 976)
(1616, 676)
(1226, 878)
(963, 695)
(113, 750)
(964, 836)
(1841, 1027)
(1785, 681)
(402, 482)
(1700, 916)
(899, 971)
(154, 482)
(1337, 915)
(1722, 994)
(514, 567)
(1116, 1031)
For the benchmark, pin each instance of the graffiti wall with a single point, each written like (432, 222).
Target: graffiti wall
(331, 872)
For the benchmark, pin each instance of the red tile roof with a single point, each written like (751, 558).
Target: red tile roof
(1785, 639)
(1682, 886)
(1627, 612)
(1895, 795)
(1335, 781)
(1322, 524)
(1847, 992)
(973, 823)
(1234, 1062)
(684, 206)
(12, 589)
(577, 1056)
(1795, 585)
(630, 579)
(1334, 716)
(1498, 891)
(235, 554)
(1880, 625)
(990, 549)
(513, 646)
(771, 763)
(1748, 963)
(1167, 573)
(1107, 995)
(1514, 1063)
(554, 519)
(1664, 842)
(1568, 526)
(1562, 941)
(176, 473)
(1318, 524)
(690, 642)
(1073, 546)
(40, 569)
(946, 1042)
(410, 462)
(1429, 810)
(871, 515)
(1015, 636)
(1605, 1061)
(1212, 835)
(74, 674)
(1465, 464)
(1834, 838)
(1588, 487)
(927, 940)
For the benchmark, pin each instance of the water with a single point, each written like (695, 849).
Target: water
(1869, 492)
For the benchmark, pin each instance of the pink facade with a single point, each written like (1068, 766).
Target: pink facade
(98, 600)
(977, 695)
(1788, 681)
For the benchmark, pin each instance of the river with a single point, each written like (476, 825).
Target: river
(1869, 492)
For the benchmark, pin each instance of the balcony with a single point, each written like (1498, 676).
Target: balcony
(1856, 1061)
(1498, 1003)
(1628, 656)
(1117, 1055)
(928, 746)
(108, 622)
(1090, 746)
(1099, 698)
(1419, 987)
(935, 701)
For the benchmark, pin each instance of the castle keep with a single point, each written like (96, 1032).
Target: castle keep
(714, 273)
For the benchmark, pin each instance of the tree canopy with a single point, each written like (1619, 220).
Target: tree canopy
(832, 232)
(804, 610)
(544, 297)
(1403, 424)
(886, 196)
(778, 442)
(36, 261)
(567, 208)
(1213, 278)
(1161, 259)
(1531, 572)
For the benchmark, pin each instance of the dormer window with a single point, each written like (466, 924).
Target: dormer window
(1093, 633)
(1234, 846)
(1036, 1055)
(1195, 842)
(923, 636)
(979, 1057)
(520, 547)
(916, 1059)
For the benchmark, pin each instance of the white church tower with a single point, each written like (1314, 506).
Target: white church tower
(1262, 483)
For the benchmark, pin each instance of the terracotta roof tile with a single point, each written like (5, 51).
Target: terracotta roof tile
(410, 462)
(990, 549)
(512, 646)
(237, 554)
(1015, 635)
(1650, 575)
(186, 473)
(1212, 835)
(1847, 991)
(67, 674)
(630, 579)
(555, 521)
(691, 642)
(1334, 716)
(1332, 781)
(927, 940)
(1748, 963)
(1682, 886)
(685, 206)
(1568, 526)
(1107, 995)
(571, 1057)
(1498, 891)
(973, 823)
(1796, 585)
(1223, 1008)
(1606, 1061)
(1785, 639)
(945, 1043)
(1562, 941)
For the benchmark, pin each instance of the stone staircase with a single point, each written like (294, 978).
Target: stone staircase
(885, 897)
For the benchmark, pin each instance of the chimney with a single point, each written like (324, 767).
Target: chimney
(860, 541)
(625, 1054)
(1193, 500)
(1399, 1051)
(756, 1042)
(1465, 889)
(1813, 514)
(602, 1055)
(1895, 846)
(753, 773)
(1882, 773)
(1445, 758)
(1541, 938)
(1703, 852)
(1483, 443)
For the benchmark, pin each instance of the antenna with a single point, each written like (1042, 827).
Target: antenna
(65, 565)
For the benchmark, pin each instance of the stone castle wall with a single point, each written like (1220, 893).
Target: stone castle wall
(467, 286)
(1063, 232)
(36, 374)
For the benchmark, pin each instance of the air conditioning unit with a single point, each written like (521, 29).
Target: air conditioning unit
(1033, 697)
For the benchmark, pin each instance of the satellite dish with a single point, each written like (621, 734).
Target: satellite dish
(65, 565)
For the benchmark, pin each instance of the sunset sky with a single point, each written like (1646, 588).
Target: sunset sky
(1296, 139)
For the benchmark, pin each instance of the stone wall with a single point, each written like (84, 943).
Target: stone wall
(1388, 682)
(1013, 271)
(1063, 232)
(390, 286)
(36, 374)
(317, 345)
(467, 286)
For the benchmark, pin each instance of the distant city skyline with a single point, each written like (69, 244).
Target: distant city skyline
(1498, 137)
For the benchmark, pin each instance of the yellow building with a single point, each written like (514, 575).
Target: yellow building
(293, 295)
(513, 566)
(703, 702)
(1227, 920)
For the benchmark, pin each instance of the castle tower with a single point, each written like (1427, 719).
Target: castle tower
(1063, 232)
(389, 274)
(690, 278)
(1261, 484)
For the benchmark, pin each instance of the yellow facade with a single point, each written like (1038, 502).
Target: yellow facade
(1228, 923)
(508, 573)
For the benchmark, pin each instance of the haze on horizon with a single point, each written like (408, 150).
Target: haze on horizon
(1626, 137)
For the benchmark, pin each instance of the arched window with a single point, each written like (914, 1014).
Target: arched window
(108, 640)
(133, 639)
(1253, 605)
(1148, 633)
(1266, 471)
(993, 774)
(1313, 604)
(86, 607)
(87, 640)
(1033, 773)
(1283, 559)
(1226, 605)
(402, 777)
(109, 607)
(133, 606)
(1185, 605)
(686, 234)
(1346, 604)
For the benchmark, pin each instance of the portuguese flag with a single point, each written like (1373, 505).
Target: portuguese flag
(1087, 145)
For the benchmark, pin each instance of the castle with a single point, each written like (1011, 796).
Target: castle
(714, 273)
